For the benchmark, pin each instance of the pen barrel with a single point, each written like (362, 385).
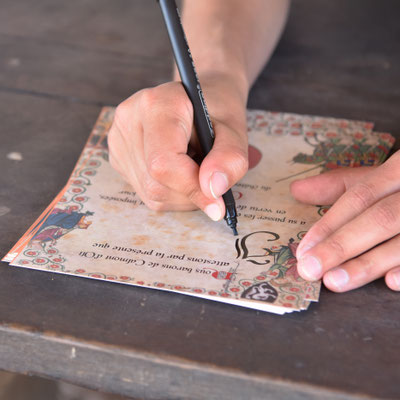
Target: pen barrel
(187, 71)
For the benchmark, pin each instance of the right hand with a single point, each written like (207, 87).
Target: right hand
(149, 141)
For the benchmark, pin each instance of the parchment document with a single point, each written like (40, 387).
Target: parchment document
(97, 227)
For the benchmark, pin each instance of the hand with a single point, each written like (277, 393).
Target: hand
(149, 141)
(358, 239)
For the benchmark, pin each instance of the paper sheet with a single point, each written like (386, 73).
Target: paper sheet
(98, 228)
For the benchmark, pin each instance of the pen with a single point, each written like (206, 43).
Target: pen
(190, 81)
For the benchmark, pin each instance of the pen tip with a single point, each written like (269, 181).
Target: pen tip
(235, 232)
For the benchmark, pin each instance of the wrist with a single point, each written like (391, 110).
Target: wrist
(229, 79)
(226, 97)
(225, 94)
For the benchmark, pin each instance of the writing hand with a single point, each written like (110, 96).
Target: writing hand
(358, 239)
(148, 145)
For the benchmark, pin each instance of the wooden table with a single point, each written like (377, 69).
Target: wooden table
(61, 61)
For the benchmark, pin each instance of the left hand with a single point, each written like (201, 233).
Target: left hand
(358, 239)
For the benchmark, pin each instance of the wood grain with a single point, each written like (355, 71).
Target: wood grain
(60, 61)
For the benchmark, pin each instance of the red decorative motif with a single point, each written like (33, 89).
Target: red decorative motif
(255, 156)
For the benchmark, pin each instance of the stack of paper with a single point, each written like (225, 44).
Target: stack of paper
(97, 227)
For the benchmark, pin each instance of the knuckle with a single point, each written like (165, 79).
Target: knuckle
(154, 191)
(183, 108)
(192, 193)
(148, 97)
(177, 106)
(122, 121)
(154, 205)
(368, 265)
(156, 163)
(183, 124)
(338, 247)
(323, 228)
(362, 195)
(384, 216)
(122, 110)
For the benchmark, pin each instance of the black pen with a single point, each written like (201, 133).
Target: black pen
(190, 81)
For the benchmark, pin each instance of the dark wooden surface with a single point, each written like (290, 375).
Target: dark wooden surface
(59, 62)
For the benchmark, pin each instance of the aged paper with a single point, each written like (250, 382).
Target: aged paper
(97, 227)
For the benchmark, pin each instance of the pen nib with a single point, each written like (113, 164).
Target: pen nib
(231, 218)
(232, 223)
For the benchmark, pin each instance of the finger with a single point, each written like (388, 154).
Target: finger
(359, 195)
(117, 155)
(366, 268)
(167, 132)
(156, 197)
(377, 224)
(125, 141)
(226, 163)
(326, 188)
(392, 278)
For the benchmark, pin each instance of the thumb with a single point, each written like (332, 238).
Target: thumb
(326, 188)
(226, 163)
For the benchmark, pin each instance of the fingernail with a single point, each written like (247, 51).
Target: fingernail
(396, 279)
(213, 211)
(218, 184)
(310, 267)
(338, 277)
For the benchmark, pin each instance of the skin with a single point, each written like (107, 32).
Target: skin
(152, 139)
(153, 128)
(357, 240)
